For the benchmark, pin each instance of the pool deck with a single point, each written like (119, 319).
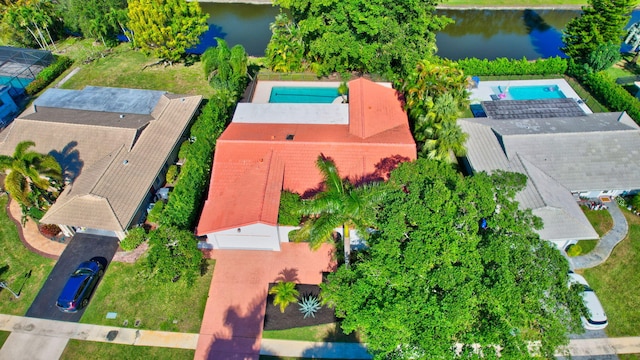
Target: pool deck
(485, 89)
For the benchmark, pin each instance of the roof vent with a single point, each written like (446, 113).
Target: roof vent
(125, 162)
(121, 116)
(290, 137)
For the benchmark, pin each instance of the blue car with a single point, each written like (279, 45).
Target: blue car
(77, 291)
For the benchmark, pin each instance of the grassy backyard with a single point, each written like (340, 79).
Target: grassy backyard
(123, 67)
(77, 349)
(612, 280)
(15, 263)
(158, 306)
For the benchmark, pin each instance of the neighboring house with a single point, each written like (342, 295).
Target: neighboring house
(114, 146)
(8, 107)
(271, 147)
(564, 158)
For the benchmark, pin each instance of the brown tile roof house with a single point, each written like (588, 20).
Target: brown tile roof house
(271, 147)
(114, 146)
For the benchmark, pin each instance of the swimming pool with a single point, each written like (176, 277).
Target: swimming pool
(534, 92)
(15, 82)
(303, 95)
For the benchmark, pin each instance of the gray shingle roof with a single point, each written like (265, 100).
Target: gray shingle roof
(593, 152)
(528, 109)
(95, 98)
(108, 191)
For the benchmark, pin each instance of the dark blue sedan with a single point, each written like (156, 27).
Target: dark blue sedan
(77, 291)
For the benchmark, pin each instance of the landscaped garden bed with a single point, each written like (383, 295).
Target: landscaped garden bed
(292, 317)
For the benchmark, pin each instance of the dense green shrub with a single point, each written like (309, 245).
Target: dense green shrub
(184, 150)
(614, 96)
(49, 74)
(574, 250)
(290, 205)
(173, 255)
(172, 174)
(135, 237)
(184, 204)
(635, 201)
(604, 56)
(156, 212)
(504, 66)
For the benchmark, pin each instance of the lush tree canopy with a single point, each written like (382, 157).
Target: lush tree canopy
(98, 19)
(436, 93)
(601, 22)
(226, 69)
(174, 254)
(166, 28)
(29, 23)
(433, 278)
(384, 37)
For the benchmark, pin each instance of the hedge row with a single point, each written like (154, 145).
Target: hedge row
(49, 74)
(504, 66)
(614, 96)
(184, 203)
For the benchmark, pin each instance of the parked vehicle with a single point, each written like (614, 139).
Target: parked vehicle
(80, 285)
(597, 319)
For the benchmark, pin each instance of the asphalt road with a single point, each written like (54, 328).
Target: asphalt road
(81, 248)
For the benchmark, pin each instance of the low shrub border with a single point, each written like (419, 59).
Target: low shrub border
(49, 74)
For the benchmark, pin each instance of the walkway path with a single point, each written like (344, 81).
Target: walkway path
(53, 336)
(605, 246)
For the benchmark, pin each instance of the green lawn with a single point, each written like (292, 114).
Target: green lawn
(3, 337)
(123, 67)
(16, 262)
(629, 357)
(614, 282)
(326, 332)
(600, 220)
(77, 349)
(587, 245)
(158, 306)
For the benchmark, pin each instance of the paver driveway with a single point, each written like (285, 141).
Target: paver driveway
(232, 323)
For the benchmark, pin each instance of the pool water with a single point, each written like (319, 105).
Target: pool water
(15, 82)
(303, 95)
(535, 92)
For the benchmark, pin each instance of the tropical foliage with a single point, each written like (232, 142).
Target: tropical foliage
(226, 69)
(341, 203)
(289, 211)
(166, 28)
(603, 57)
(436, 94)
(601, 22)
(384, 37)
(432, 278)
(34, 180)
(134, 238)
(173, 255)
(30, 23)
(98, 19)
(285, 50)
(504, 66)
(284, 293)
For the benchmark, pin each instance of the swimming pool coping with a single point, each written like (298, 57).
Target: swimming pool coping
(484, 90)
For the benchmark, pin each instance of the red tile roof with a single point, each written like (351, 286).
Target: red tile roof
(254, 162)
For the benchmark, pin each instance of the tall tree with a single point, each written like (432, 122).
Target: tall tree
(432, 278)
(285, 51)
(226, 69)
(36, 18)
(385, 37)
(33, 179)
(339, 204)
(436, 93)
(166, 28)
(601, 22)
(99, 19)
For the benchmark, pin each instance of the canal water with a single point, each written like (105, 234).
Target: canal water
(476, 33)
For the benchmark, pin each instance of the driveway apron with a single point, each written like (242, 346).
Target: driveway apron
(81, 248)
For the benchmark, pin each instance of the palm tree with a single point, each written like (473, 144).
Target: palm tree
(284, 293)
(340, 204)
(31, 173)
